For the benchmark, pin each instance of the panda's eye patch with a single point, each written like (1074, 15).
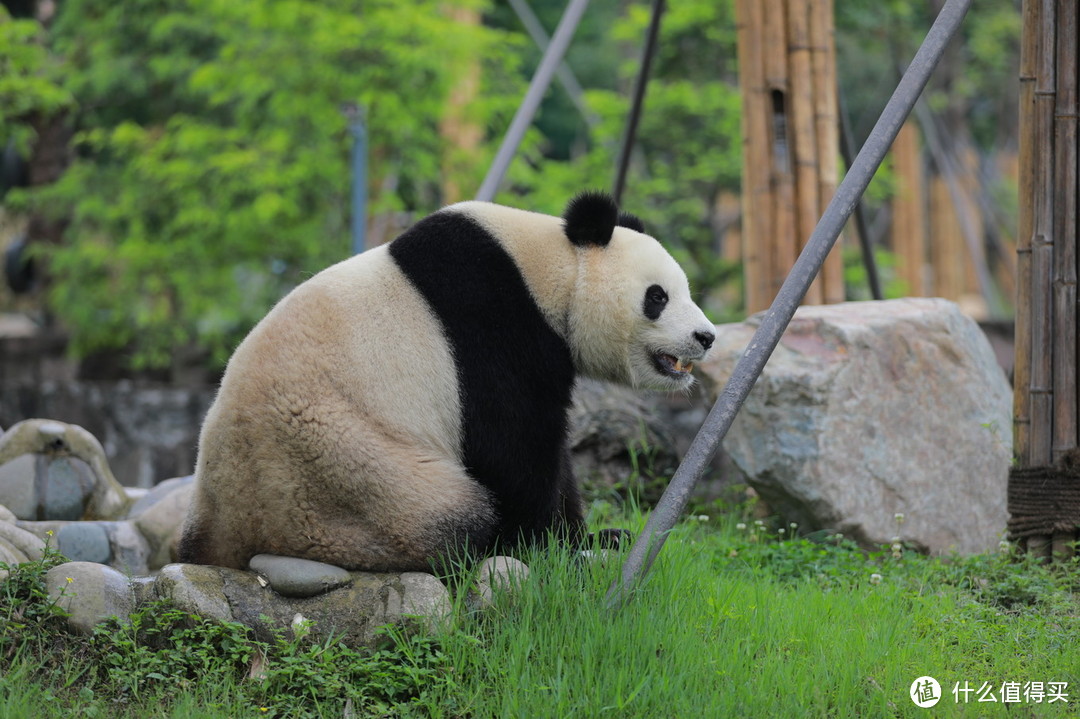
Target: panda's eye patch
(655, 301)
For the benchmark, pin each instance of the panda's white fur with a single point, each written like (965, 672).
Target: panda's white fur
(410, 402)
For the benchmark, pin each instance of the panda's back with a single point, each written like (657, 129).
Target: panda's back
(358, 332)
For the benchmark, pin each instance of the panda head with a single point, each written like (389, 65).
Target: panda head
(631, 319)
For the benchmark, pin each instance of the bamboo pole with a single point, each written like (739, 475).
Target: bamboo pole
(783, 243)
(757, 205)
(803, 133)
(826, 118)
(1042, 245)
(1029, 42)
(1064, 436)
(969, 183)
(909, 233)
(946, 245)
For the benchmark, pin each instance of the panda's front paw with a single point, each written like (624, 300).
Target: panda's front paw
(613, 539)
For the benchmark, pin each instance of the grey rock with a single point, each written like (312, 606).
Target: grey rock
(90, 593)
(496, 575)
(130, 550)
(18, 486)
(160, 522)
(59, 441)
(64, 488)
(158, 493)
(616, 435)
(200, 589)
(10, 554)
(353, 612)
(27, 543)
(84, 542)
(6, 515)
(143, 589)
(295, 577)
(870, 410)
(424, 600)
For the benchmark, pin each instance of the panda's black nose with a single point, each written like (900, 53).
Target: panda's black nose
(705, 338)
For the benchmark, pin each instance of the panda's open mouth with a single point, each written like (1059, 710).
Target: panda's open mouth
(671, 366)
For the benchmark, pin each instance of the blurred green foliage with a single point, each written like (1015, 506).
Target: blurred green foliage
(212, 173)
(212, 168)
(26, 91)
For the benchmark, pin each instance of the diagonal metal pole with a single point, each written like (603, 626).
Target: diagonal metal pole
(776, 318)
(639, 98)
(563, 73)
(539, 85)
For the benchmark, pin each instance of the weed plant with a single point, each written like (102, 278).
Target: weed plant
(737, 619)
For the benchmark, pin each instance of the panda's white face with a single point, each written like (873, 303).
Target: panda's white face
(634, 319)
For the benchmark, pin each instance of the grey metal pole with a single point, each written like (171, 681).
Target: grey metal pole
(563, 73)
(358, 130)
(539, 85)
(776, 318)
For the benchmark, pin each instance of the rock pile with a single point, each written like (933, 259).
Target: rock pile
(121, 542)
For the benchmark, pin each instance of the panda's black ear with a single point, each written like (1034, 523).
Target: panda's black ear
(590, 218)
(631, 222)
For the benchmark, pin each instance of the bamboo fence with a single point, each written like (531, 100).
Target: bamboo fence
(1044, 488)
(908, 210)
(787, 72)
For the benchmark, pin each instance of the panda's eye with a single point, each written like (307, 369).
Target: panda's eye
(655, 301)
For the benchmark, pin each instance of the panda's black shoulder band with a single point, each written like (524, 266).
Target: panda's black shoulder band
(590, 218)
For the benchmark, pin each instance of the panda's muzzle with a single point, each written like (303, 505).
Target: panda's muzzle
(671, 366)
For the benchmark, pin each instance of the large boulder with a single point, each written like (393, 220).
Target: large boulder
(618, 438)
(869, 411)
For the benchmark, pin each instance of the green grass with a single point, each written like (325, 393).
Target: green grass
(733, 621)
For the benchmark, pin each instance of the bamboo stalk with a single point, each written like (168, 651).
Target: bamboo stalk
(1029, 41)
(947, 253)
(803, 133)
(909, 234)
(1042, 245)
(783, 245)
(773, 42)
(757, 204)
(826, 118)
(1064, 435)
(970, 186)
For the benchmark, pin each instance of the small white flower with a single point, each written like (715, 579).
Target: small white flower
(875, 578)
(702, 518)
(781, 530)
(740, 526)
(899, 517)
(1004, 546)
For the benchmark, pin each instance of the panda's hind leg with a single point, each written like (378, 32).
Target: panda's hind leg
(385, 505)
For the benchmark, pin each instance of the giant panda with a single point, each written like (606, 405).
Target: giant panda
(409, 404)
